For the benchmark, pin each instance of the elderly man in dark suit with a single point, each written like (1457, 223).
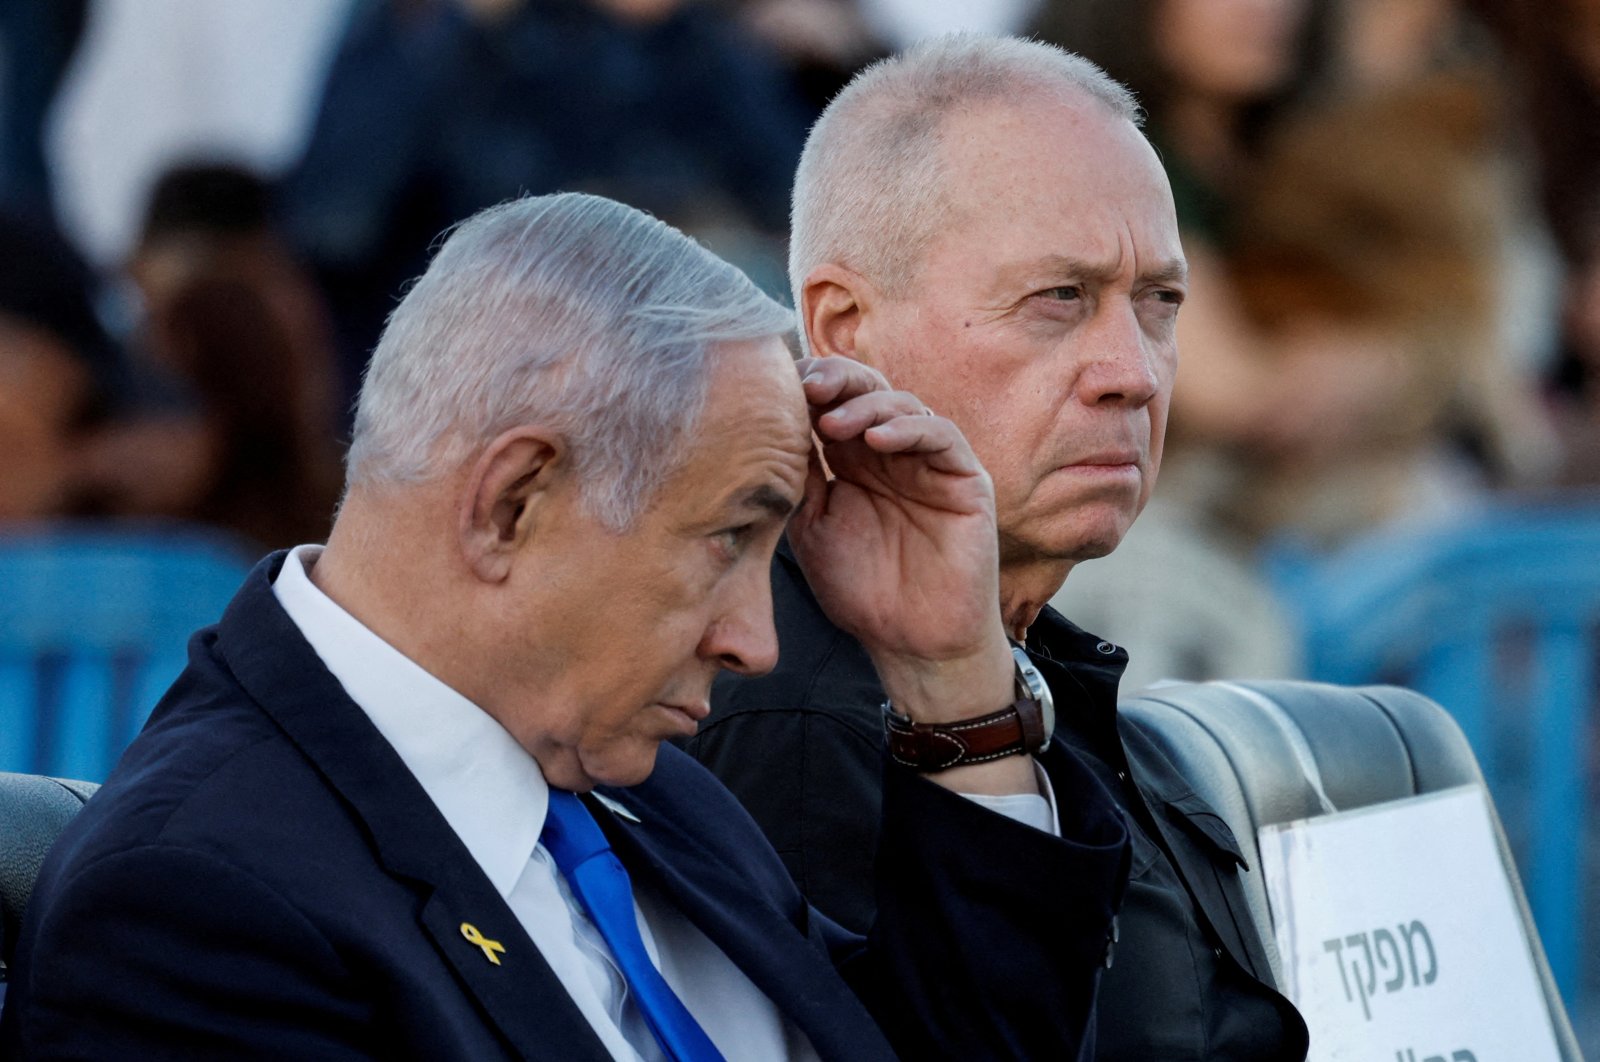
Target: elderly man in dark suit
(410, 799)
(982, 220)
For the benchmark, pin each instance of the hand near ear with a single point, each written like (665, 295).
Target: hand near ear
(900, 544)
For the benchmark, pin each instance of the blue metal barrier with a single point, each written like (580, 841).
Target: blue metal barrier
(1496, 617)
(94, 621)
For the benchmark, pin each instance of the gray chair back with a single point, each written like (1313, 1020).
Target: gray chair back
(33, 811)
(1270, 752)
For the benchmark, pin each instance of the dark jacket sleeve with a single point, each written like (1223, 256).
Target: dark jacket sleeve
(163, 952)
(974, 906)
(802, 749)
(814, 783)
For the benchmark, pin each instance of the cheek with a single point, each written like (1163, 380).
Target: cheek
(1011, 458)
(946, 360)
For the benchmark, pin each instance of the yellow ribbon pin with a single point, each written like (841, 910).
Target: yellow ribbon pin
(489, 947)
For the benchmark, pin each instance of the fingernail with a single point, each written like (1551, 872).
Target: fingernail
(812, 375)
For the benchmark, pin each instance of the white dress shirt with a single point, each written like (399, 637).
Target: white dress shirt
(492, 794)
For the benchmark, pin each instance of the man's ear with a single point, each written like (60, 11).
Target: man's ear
(835, 303)
(505, 496)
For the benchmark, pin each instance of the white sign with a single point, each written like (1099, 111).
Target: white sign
(1399, 937)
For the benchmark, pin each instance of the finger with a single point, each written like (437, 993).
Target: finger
(828, 381)
(935, 439)
(856, 415)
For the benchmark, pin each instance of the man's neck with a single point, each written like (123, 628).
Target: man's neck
(395, 587)
(1026, 587)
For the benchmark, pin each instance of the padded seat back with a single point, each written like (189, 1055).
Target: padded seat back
(33, 812)
(1271, 752)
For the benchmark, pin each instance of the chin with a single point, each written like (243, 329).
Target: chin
(625, 766)
(1094, 548)
(1087, 537)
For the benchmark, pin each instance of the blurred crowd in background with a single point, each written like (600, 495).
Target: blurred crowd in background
(1391, 209)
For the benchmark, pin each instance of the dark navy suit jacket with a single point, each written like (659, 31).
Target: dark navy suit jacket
(261, 877)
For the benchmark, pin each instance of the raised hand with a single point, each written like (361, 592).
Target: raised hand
(897, 539)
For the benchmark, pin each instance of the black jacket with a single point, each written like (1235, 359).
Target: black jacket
(802, 748)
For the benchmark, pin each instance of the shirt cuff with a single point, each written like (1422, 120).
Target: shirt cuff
(1031, 809)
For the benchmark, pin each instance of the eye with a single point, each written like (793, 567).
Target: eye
(1069, 293)
(1164, 302)
(732, 540)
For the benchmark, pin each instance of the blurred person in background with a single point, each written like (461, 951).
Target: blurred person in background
(1553, 52)
(153, 82)
(248, 444)
(1211, 76)
(59, 372)
(1574, 387)
(1368, 273)
(1552, 49)
(1367, 351)
(37, 42)
(821, 42)
(436, 108)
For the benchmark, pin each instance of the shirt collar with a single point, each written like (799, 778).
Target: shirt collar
(487, 787)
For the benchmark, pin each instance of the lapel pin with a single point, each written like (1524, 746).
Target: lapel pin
(489, 947)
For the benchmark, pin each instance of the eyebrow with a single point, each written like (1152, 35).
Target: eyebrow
(1171, 271)
(765, 497)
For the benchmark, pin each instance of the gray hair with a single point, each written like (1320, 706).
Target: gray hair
(869, 193)
(567, 310)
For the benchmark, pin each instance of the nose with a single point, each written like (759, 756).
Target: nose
(742, 637)
(1119, 366)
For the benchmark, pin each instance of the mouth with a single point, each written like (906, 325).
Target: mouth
(1107, 462)
(685, 718)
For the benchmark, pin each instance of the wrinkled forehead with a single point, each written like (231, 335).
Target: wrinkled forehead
(1069, 164)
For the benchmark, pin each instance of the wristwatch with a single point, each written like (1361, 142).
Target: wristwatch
(1023, 726)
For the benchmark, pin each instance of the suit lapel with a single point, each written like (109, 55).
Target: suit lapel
(520, 996)
(776, 955)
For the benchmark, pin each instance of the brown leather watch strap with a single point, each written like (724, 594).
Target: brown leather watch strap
(1013, 730)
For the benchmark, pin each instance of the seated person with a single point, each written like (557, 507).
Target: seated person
(410, 800)
(982, 220)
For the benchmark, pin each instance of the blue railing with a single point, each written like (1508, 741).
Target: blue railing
(94, 623)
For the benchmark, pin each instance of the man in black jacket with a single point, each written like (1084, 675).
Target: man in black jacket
(982, 220)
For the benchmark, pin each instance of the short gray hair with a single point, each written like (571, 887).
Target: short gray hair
(567, 310)
(869, 193)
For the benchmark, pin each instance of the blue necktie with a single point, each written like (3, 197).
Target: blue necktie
(597, 878)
